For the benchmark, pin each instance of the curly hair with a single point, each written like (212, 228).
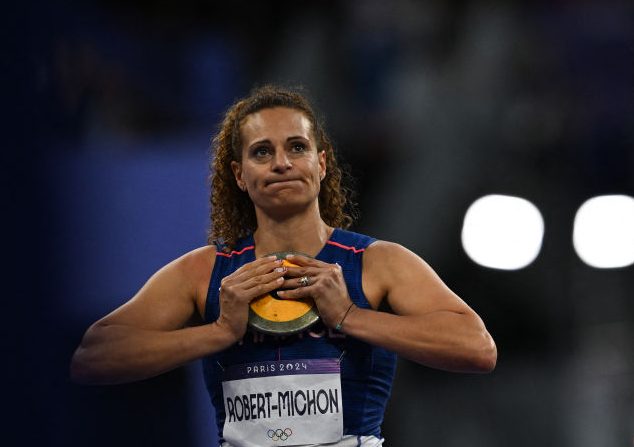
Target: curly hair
(232, 212)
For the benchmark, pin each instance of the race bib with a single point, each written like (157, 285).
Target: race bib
(283, 403)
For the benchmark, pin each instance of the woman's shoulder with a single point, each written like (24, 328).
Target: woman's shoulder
(373, 247)
(387, 255)
(198, 263)
(349, 238)
(200, 255)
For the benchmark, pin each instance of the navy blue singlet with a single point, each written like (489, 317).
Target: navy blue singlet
(367, 371)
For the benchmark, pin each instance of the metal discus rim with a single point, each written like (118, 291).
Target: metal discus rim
(283, 327)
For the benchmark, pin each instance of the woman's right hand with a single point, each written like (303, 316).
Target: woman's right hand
(241, 287)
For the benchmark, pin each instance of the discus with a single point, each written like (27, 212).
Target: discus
(276, 316)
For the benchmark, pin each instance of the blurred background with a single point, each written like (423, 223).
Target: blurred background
(110, 107)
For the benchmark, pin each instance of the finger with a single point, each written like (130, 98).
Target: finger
(247, 278)
(260, 261)
(326, 269)
(305, 261)
(293, 294)
(268, 266)
(258, 286)
(295, 282)
(258, 267)
(265, 287)
(255, 281)
(296, 272)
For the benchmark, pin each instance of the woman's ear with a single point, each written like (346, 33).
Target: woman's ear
(322, 164)
(236, 167)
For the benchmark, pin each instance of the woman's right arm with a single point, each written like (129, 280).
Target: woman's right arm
(148, 335)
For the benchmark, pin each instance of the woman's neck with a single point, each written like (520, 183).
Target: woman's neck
(306, 233)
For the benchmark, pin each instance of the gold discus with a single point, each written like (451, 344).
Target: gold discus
(272, 315)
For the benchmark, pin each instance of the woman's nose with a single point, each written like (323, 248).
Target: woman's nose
(281, 162)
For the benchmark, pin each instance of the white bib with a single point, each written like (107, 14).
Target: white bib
(283, 403)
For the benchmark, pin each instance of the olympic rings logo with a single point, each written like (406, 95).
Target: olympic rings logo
(279, 434)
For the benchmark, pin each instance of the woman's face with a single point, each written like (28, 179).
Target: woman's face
(281, 169)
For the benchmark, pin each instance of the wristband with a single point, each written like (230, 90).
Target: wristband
(338, 327)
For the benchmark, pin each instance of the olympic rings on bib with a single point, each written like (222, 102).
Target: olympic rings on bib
(279, 434)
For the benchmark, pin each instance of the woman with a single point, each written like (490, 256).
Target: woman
(276, 187)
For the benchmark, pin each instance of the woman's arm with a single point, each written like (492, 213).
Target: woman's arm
(431, 325)
(148, 335)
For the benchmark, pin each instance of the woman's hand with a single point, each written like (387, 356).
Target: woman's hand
(325, 284)
(242, 286)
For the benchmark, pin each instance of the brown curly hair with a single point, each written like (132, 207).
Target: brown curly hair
(232, 212)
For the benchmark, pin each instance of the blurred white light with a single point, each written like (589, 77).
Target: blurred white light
(603, 234)
(502, 232)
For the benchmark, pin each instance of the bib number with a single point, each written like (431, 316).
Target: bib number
(283, 403)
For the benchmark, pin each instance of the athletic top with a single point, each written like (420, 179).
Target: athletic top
(367, 371)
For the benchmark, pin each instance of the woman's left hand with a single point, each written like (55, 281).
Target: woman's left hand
(324, 283)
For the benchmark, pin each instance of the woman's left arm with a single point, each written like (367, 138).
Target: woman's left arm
(430, 325)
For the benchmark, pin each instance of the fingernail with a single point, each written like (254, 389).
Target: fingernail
(280, 269)
(271, 258)
(280, 279)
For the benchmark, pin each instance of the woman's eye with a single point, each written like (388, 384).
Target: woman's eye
(261, 152)
(299, 147)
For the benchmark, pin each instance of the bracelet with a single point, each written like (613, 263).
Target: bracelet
(338, 327)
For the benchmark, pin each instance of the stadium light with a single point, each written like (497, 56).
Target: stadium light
(603, 234)
(502, 232)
